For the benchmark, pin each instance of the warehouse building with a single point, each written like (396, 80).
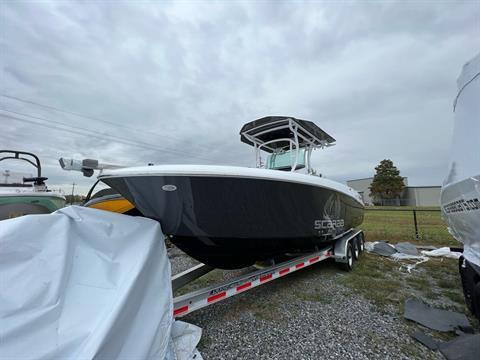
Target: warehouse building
(411, 195)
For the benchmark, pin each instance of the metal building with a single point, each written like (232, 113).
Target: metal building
(411, 195)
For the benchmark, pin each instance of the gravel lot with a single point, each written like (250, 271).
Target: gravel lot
(305, 315)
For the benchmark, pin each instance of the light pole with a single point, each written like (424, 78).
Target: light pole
(73, 189)
(6, 174)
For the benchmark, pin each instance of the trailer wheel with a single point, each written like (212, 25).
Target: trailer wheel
(476, 301)
(356, 248)
(361, 242)
(348, 266)
(467, 288)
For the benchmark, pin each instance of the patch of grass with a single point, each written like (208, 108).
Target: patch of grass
(431, 294)
(263, 309)
(268, 312)
(379, 280)
(441, 267)
(423, 284)
(315, 296)
(397, 226)
(412, 351)
(437, 282)
(419, 283)
(404, 207)
(443, 336)
(447, 283)
(455, 296)
(372, 278)
(205, 342)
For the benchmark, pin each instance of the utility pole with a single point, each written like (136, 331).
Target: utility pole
(6, 174)
(73, 189)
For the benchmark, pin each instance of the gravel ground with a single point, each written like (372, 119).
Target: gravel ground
(179, 260)
(305, 315)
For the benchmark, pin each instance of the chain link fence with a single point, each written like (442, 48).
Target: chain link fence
(394, 202)
(396, 224)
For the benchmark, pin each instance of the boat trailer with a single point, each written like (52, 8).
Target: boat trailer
(344, 249)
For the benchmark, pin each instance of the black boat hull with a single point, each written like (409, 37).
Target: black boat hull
(231, 222)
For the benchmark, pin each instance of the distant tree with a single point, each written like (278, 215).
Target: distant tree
(77, 199)
(387, 182)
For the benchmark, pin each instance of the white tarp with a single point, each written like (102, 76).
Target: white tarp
(442, 252)
(83, 283)
(460, 196)
(407, 251)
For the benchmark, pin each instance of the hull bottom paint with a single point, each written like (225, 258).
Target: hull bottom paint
(232, 222)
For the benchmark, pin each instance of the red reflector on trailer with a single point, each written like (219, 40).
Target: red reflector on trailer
(298, 266)
(314, 259)
(284, 271)
(244, 286)
(180, 310)
(265, 278)
(217, 296)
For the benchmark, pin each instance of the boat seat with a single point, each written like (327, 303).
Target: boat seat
(38, 180)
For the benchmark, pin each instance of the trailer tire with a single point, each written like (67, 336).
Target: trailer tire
(355, 248)
(467, 288)
(476, 301)
(348, 265)
(361, 242)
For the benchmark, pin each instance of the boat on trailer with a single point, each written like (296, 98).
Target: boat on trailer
(231, 217)
(28, 196)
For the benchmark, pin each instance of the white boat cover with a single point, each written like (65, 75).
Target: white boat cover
(465, 155)
(83, 283)
(460, 197)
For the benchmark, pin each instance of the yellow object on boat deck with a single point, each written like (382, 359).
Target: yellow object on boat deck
(115, 205)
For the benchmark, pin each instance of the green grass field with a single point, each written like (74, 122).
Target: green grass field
(383, 280)
(387, 223)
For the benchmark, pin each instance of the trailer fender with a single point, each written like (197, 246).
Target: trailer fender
(340, 248)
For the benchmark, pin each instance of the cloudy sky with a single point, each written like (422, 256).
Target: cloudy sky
(173, 82)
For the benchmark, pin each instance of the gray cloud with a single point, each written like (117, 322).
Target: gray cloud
(179, 79)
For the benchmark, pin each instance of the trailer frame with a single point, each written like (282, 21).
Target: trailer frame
(344, 250)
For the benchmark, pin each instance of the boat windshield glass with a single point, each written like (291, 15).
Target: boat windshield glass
(285, 160)
(99, 189)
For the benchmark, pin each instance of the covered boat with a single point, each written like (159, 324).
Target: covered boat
(460, 196)
(28, 196)
(230, 217)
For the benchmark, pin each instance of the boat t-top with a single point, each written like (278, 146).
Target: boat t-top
(28, 196)
(230, 217)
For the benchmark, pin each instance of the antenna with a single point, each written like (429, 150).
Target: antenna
(86, 166)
